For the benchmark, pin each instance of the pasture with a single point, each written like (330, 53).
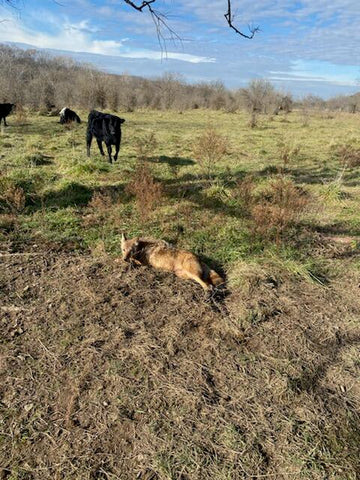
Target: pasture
(115, 372)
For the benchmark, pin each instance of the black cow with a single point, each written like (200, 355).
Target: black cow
(67, 116)
(5, 109)
(105, 128)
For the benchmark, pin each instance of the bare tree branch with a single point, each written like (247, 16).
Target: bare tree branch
(160, 20)
(230, 19)
(162, 27)
(143, 5)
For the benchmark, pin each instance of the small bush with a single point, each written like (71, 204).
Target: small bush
(12, 197)
(348, 155)
(287, 153)
(100, 208)
(253, 120)
(146, 190)
(145, 146)
(305, 118)
(244, 191)
(20, 115)
(209, 148)
(278, 208)
(100, 201)
(7, 222)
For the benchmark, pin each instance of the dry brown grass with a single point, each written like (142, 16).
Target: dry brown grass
(274, 210)
(101, 209)
(245, 190)
(348, 155)
(278, 208)
(288, 153)
(115, 373)
(21, 116)
(209, 148)
(12, 197)
(147, 191)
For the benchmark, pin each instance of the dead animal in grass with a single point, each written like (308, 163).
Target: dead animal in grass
(161, 255)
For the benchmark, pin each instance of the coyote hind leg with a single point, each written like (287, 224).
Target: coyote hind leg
(193, 276)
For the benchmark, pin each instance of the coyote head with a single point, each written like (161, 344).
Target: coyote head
(128, 247)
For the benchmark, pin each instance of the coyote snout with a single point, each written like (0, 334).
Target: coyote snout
(160, 255)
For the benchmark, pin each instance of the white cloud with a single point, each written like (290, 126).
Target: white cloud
(79, 37)
(184, 57)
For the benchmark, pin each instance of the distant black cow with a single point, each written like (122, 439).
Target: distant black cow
(67, 116)
(5, 109)
(105, 128)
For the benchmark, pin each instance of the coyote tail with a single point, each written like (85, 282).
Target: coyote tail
(215, 278)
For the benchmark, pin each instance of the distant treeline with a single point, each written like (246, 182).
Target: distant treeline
(41, 81)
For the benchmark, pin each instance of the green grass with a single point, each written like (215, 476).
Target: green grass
(48, 161)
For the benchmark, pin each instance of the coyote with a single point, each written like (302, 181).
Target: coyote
(161, 255)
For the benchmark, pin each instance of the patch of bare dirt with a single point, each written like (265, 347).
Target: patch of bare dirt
(110, 372)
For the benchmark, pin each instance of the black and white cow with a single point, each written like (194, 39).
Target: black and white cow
(67, 116)
(105, 128)
(5, 110)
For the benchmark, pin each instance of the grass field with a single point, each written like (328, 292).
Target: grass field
(111, 372)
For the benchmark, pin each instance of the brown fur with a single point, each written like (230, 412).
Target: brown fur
(162, 256)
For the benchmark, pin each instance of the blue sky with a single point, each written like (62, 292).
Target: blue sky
(309, 46)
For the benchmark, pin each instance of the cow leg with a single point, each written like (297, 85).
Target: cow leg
(109, 150)
(117, 148)
(5, 122)
(100, 147)
(88, 142)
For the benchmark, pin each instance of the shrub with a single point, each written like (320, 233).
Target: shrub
(278, 208)
(7, 222)
(12, 197)
(147, 191)
(146, 145)
(100, 208)
(209, 148)
(100, 201)
(244, 191)
(253, 120)
(20, 115)
(348, 155)
(287, 153)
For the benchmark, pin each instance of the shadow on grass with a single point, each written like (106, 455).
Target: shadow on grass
(310, 380)
(76, 195)
(337, 229)
(172, 161)
(192, 187)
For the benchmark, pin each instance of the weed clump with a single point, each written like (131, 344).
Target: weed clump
(278, 208)
(253, 120)
(209, 148)
(146, 145)
(147, 191)
(287, 153)
(348, 155)
(244, 191)
(20, 115)
(12, 197)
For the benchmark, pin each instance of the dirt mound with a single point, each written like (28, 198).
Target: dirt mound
(113, 372)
